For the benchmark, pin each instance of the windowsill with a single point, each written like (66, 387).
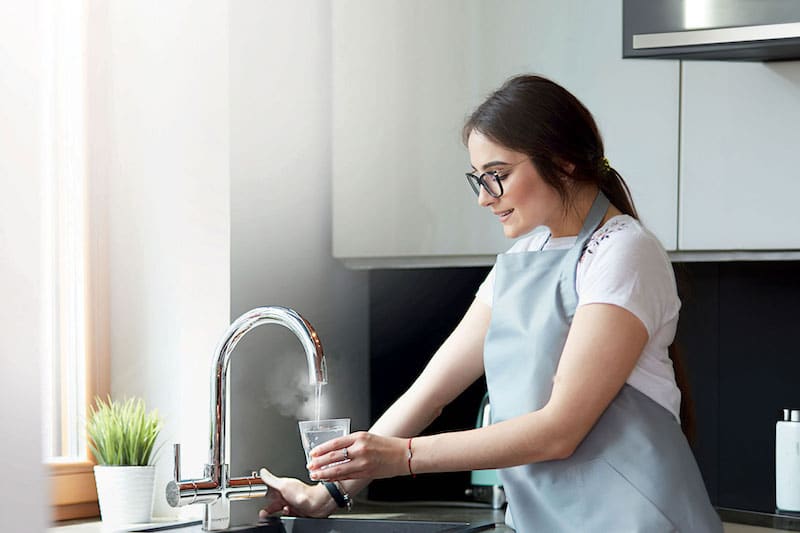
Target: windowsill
(90, 525)
(73, 492)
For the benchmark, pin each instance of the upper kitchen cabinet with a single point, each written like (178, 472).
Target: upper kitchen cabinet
(406, 74)
(403, 83)
(739, 148)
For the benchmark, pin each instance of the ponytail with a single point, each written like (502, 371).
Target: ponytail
(616, 190)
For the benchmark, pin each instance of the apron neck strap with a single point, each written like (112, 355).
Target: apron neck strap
(590, 223)
(593, 219)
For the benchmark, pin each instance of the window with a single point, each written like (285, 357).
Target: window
(75, 363)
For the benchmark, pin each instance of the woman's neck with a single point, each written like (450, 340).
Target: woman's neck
(575, 213)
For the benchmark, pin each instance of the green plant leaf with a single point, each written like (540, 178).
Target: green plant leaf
(122, 433)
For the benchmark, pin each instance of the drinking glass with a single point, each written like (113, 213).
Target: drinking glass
(315, 432)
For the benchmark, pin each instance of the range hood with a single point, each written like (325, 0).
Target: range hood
(738, 30)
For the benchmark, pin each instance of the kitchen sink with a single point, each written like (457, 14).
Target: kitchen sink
(336, 525)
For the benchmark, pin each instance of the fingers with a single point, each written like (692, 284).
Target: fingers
(338, 472)
(338, 450)
(329, 459)
(272, 507)
(275, 499)
(368, 456)
(334, 466)
(270, 479)
(339, 443)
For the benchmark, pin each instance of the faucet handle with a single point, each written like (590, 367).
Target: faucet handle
(176, 448)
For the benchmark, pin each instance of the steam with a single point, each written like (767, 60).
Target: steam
(288, 391)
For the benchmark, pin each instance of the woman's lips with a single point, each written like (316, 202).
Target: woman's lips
(503, 215)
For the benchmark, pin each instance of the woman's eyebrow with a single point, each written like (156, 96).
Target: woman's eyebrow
(494, 164)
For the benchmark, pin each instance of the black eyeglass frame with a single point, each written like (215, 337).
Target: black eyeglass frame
(476, 182)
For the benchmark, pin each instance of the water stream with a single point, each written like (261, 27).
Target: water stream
(318, 405)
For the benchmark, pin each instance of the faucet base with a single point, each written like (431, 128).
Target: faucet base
(217, 515)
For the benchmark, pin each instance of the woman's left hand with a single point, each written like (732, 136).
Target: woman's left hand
(359, 455)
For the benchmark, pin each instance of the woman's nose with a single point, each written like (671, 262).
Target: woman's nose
(484, 198)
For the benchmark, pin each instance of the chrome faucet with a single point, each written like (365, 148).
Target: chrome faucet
(216, 489)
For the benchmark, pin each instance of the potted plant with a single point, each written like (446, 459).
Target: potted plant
(122, 437)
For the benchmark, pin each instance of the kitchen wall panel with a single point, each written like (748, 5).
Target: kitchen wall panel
(157, 121)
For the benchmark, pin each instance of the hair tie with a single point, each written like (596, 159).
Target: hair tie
(606, 165)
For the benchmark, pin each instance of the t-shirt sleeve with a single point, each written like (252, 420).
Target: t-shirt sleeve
(630, 269)
(486, 289)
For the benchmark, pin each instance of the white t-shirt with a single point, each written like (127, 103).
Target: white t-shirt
(624, 265)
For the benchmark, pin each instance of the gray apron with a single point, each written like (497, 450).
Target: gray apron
(634, 471)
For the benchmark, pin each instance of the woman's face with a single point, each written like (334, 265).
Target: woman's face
(527, 201)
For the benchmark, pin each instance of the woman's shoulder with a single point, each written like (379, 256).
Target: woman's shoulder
(626, 265)
(625, 237)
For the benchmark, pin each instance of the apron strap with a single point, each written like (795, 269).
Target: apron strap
(595, 216)
(590, 224)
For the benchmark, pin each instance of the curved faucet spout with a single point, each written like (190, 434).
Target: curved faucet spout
(216, 488)
(290, 319)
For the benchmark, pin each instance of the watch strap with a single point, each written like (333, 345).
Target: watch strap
(342, 500)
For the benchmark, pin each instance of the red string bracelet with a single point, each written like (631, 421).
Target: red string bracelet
(410, 455)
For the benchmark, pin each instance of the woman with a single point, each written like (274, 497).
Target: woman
(571, 328)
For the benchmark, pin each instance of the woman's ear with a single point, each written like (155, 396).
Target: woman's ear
(566, 167)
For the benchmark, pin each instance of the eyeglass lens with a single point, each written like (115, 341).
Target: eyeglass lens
(488, 180)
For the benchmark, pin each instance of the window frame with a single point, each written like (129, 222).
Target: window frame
(73, 492)
(69, 134)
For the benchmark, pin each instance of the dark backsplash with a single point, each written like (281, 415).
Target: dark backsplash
(411, 313)
(737, 329)
(736, 334)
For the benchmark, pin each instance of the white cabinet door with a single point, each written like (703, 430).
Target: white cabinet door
(740, 144)
(403, 84)
(407, 73)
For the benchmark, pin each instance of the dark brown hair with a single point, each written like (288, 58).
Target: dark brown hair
(537, 117)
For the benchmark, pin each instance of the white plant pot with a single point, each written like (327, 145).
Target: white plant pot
(125, 493)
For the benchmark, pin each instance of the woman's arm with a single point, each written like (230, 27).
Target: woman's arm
(454, 366)
(602, 349)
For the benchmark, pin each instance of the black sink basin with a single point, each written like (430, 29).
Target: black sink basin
(337, 525)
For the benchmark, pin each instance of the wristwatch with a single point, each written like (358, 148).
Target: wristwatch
(342, 499)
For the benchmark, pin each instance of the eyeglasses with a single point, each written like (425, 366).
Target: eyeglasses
(491, 181)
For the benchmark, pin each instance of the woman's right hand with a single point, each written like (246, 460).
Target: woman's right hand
(292, 497)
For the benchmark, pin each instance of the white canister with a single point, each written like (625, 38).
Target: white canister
(787, 461)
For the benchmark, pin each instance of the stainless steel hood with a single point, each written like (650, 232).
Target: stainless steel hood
(739, 30)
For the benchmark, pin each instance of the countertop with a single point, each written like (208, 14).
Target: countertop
(440, 512)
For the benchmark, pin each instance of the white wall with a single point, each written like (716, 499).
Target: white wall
(201, 228)
(280, 72)
(23, 495)
(159, 156)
